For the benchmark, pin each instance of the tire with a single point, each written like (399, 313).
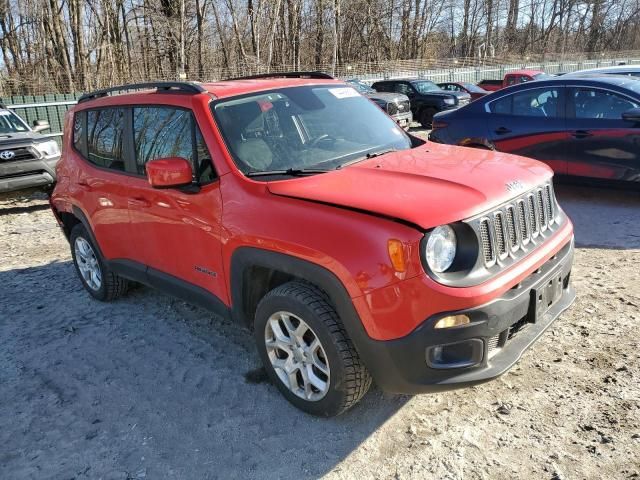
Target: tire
(426, 117)
(108, 286)
(346, 379)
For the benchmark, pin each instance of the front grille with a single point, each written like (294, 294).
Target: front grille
(510, 229)
(492, 343)
(21, 153)
(392, 108)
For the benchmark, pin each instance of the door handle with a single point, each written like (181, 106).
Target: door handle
(139, 202)
(502, 130)
(581, 134)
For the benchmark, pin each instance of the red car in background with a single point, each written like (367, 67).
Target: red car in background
(514, 78)
(474, 90)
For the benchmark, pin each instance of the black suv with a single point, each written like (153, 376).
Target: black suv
(426, 97)
(27, 158)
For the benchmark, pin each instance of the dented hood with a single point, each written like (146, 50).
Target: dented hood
(427, 186)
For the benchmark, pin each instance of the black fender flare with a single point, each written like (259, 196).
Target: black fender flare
(375, 358)
(82, 217)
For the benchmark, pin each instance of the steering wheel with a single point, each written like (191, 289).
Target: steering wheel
(319, 139)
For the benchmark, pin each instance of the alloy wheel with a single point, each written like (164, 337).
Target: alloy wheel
(297, 356)
(88, 264)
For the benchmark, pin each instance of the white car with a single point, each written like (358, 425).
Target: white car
(631, 70)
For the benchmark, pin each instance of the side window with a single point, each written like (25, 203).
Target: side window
(403, 88)
(536, 103)
(501, 106)
(594, 103)
(105, 137)
(511, 80)
(161, 132)
(383, 87)
(524, 79)
(80, 132)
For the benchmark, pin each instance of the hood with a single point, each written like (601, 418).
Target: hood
(19, 138)
(427, 186)
(387, 97)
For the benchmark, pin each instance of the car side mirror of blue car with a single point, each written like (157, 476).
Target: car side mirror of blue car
(632, 115)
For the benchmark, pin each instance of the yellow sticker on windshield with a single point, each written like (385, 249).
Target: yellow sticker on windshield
(344, 92)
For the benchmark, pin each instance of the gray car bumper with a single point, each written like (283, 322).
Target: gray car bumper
(403, 119)
(27, 173)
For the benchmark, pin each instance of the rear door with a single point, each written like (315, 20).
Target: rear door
(102, 185)
(602, 144)
(531, 123)
(177, 231)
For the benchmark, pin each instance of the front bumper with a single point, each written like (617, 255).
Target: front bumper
(500, 331)
(27, 173)
(403, 119)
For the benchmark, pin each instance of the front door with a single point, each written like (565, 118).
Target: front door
(177, 231)
(531, 123)
(602, 144)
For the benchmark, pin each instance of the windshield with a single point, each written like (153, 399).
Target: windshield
(11, 123)
(361, 87)
(473, 88)
(321, 127)
(425, 86)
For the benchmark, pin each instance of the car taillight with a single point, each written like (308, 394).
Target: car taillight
(438, 124)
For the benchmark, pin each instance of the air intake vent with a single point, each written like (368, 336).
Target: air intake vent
(542, 210)
(512, 233)
(487, 246)
(533, 217)
(500, 237)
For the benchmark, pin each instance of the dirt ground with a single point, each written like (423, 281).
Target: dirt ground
(150, 387)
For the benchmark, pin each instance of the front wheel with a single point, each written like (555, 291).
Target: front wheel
(307, 352)
(426, 117)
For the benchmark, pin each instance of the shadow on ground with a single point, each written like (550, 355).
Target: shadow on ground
(602, 217)
(148, 386)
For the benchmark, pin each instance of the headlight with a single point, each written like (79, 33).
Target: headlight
(48, 148)
(441, 248)
(449, 101)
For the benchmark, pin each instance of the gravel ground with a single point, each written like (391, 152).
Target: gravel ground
(150, 387)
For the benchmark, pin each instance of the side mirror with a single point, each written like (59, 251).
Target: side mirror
(169, 172)
(40, 125)
(632, 115)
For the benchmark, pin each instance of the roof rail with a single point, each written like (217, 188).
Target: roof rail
(183, 87)
(319, 75)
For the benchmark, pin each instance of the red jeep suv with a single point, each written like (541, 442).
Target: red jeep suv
(293, 205)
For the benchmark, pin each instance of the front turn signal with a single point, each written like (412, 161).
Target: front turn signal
(452, 321)
(396, 255)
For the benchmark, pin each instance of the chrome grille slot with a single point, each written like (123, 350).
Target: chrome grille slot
(542, 211)
(533, 216)
(501, 243)
(487, 245)
(522, 221)
(549, 199)
(512, 233)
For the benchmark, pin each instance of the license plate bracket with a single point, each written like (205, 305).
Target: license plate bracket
(545, 295)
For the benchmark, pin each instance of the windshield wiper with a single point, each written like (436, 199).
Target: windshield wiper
(296, 172)
(367, 157)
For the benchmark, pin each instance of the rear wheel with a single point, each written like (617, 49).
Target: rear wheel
(307, 352)
(95, 276)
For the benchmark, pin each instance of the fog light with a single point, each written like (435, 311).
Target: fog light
(452, 321)
(456, 355)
